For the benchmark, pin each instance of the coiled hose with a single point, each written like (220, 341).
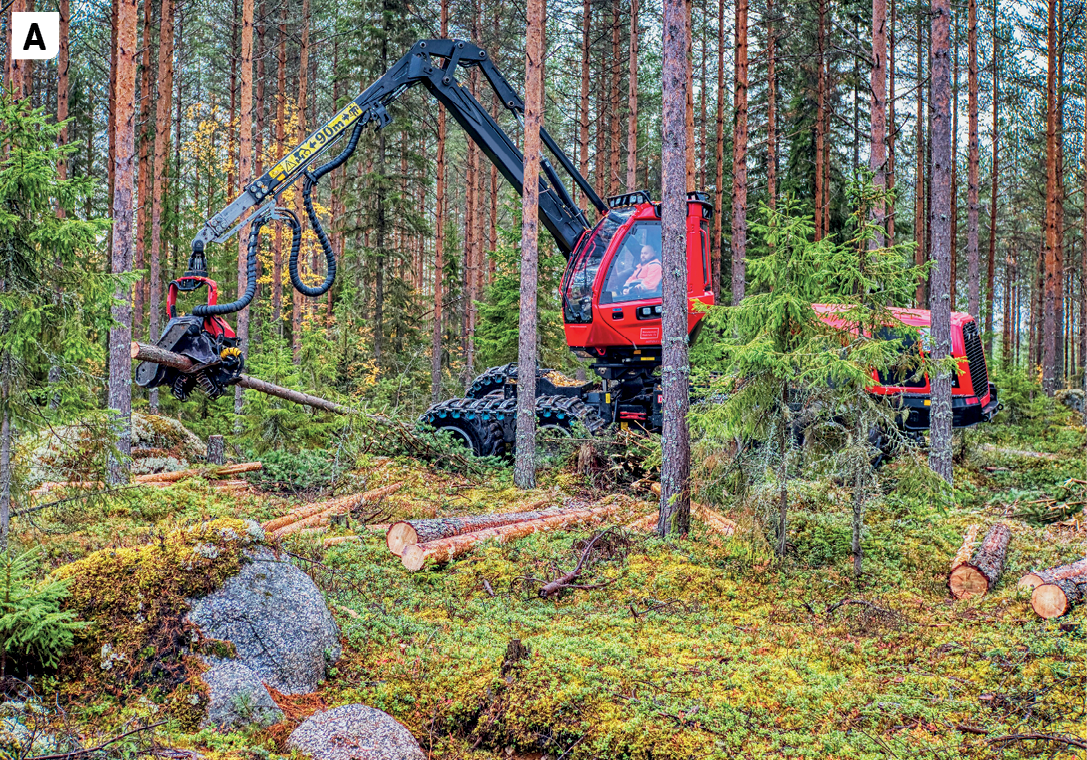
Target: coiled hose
(214, 310)
(307, 200)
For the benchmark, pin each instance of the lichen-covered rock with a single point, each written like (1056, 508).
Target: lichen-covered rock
(352, 732)
(1072, 398)
(237, 697)
(78, 451)
(277, 620)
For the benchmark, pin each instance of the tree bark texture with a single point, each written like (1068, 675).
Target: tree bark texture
(300, 135)
(524, 470)
(216, 449)
(320, 514)
(62, 89)
(719, 189)
(416, 556)
(281, 138)
(739, 159)
(977, 575)
(120, 336)
(1052, 273)
(439, 242)
(973, 269)
(920, 251)
(161, 170)
(990, 288)
(583, 104)
(675, 507)
(142, 184)
(771, 107)
(892, 133)
(878, 151)
(407, 532)
(940, 300)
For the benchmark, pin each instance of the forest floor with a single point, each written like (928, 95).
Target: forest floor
(695, 648)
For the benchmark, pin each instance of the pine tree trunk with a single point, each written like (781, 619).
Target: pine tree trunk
(820, 118)
(613, 103)
(878, 152)
(142, 180)
(771, 107)
(702, 116)
(6, 435)
(919, 174)
(62, 90)
(973, 270)
(955, 166)
(245, 174)
(524, 469)
(161, 169)
(439, 242)
(990, 288)
(583, 104)
(675, 502)
(940, 425)
(120, 336)
(739, 160)
(892, 128)
(303, 83)
(16, 74)
(688, 59)
(231, 149)
(1051, 273)
(632, 101)
(281, 138)
(1083, 264)
(719, 183)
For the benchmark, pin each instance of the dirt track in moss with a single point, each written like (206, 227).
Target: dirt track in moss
(695, 648)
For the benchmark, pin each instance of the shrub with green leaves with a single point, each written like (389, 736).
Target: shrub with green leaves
(33, 628)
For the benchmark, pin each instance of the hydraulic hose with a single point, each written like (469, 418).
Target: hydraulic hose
(214, 310)
(307, 200)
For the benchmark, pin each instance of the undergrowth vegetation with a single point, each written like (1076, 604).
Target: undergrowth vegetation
(702, 647)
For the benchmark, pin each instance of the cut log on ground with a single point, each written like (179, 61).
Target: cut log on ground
(398, 431)
(415, 556)
(408, 532)
(966, 551)
(212, 472)
(713, 519)
(646, 523)
(979, 575)
(339, 506)
(1055, 590)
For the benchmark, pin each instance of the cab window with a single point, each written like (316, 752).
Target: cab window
(635, 272)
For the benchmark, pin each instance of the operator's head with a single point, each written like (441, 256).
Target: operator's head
(648, 254)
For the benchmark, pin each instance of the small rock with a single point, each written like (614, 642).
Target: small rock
(353, 732)
(277, 620)
(237, 698)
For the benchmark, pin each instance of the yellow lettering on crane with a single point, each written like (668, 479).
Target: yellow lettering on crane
(301, 155)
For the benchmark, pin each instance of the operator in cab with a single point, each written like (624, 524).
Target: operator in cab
(647, 276)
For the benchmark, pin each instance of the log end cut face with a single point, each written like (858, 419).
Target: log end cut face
(413, 557)
(1049, 601)
(967, 581)
(400, 535)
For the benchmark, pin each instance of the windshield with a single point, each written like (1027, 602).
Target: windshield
(577, 292)
(635, 270)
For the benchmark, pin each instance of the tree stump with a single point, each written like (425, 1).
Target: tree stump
(978, 576)
(1057, 589)
(216, 450)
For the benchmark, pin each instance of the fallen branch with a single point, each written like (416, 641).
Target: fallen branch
(408, 532)
(977, 573)
(1071, 741)
(100, 747)
(213, 472)
(339, 506)
(415, 556)
(555, 587)
(398, 430)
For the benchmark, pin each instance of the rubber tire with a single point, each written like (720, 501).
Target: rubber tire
(494, 379)
(484, 438)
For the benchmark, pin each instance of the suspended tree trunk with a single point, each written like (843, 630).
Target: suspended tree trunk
(739, 160)
(245, 173)
(973, 273)
(1051, 272)
(675, 503)
(524, 471)
(892, 128)
(878, 152)
(161, 170)
(632, 101)
(820, 118)
(771, 108)
(439, 244)
(990, 288)
(919, 173)
(940, 425)
(120, 336)
(719, 157)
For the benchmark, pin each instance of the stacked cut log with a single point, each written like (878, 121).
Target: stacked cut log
(714, 520)
(318, 514)
(416, 556)
(408, 532)
(162, 479)
(1056, 590)
(975, 573)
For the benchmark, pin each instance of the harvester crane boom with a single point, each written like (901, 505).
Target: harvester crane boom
(558, 211)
